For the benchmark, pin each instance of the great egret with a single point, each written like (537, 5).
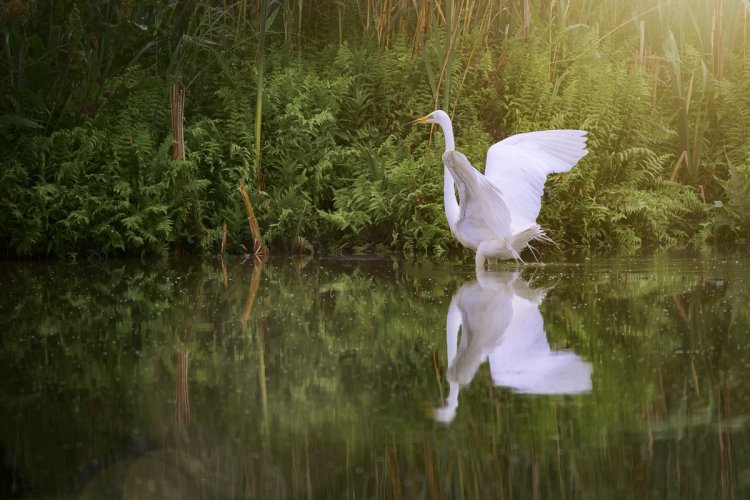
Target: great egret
(501, 323)
(498, 210)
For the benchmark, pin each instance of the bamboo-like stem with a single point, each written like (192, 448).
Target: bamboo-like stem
(177, 100)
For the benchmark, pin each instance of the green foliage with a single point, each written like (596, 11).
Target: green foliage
(87, 134)
(619, 196)
(110, 185)
(733, 159)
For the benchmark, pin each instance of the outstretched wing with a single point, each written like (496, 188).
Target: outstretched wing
(484, 214)
(518, 166)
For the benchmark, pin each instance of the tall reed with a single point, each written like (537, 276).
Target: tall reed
(259, 61)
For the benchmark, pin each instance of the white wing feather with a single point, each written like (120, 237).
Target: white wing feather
(518, 166)
(483, 212)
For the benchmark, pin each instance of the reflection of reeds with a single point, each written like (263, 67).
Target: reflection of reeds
(254, 284)
(224, 273)
(223, 238)
(263, 389)
(182, 390)
(726, 465)
(267, 483)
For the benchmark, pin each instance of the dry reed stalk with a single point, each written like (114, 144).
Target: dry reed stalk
(367, 15)
(225, 17)
(383, 23)
(422, 23)
(177, 100)
(259, 249)
(484, 23)
(642, 47)
(526, 18)
(717, 39)
(677, 165)
(451, 35)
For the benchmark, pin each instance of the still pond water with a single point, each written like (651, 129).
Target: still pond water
(612, 378)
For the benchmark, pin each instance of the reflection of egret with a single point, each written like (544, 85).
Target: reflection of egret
(498, 211)
(500, 321)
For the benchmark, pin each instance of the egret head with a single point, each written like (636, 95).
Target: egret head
(439, 116)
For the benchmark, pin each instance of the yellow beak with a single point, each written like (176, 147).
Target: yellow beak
(420, 120)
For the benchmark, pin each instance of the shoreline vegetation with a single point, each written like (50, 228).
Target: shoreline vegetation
(128, 128)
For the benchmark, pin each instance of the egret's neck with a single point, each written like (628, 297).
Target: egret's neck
(450, 145)
(450, 202)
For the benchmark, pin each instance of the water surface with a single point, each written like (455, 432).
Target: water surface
(614, 378)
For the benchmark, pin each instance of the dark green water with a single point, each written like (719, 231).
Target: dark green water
(620, 378)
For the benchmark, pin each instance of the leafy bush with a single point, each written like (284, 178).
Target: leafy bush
(110, 186)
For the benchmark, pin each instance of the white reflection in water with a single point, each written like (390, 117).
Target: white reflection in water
(500, 321)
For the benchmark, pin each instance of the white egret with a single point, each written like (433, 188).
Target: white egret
(500, 323)
(498, 209)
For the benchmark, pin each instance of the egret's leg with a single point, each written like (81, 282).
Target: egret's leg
(488, 251)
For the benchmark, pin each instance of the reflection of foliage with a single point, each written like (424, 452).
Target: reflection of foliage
(88, 381)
